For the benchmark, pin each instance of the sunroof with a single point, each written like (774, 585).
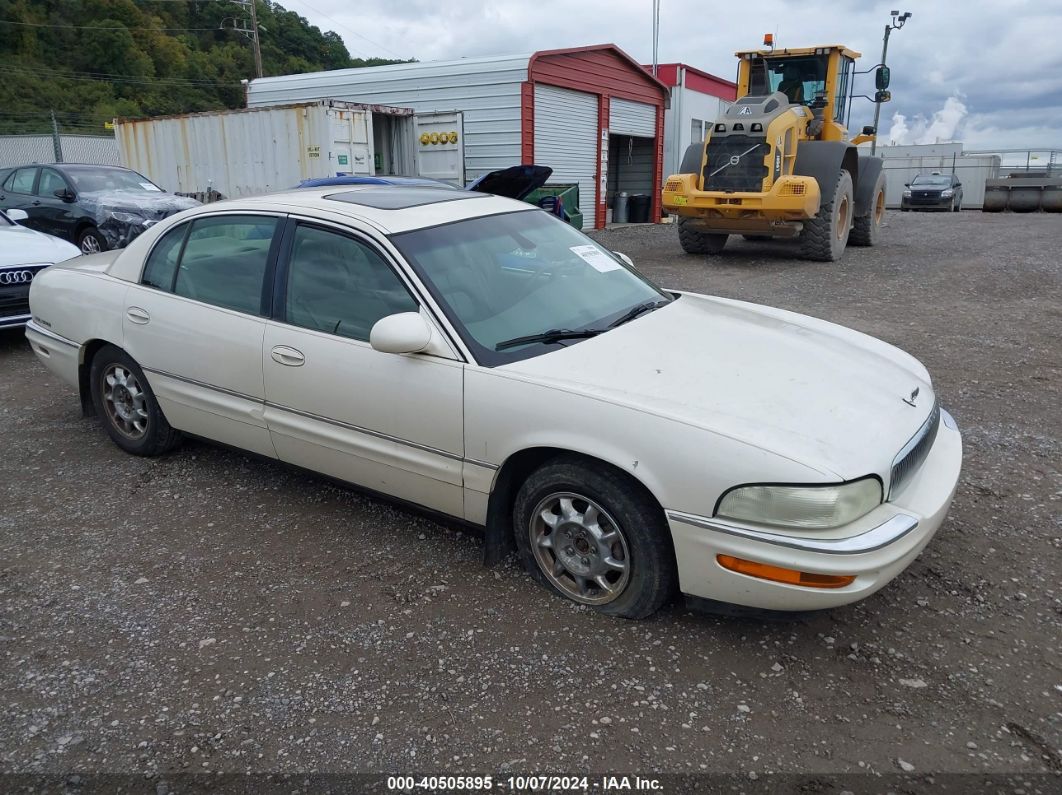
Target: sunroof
(391, 198)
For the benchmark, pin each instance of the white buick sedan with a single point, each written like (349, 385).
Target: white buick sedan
(477, 357)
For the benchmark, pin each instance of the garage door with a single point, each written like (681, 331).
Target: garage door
(631, 118)
(566, 140)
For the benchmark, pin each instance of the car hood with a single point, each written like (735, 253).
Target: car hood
(515, 182)
(816, 393)
(22, 246)
(152, 205)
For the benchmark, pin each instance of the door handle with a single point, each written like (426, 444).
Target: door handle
(36, 204)
(137, 315)
(289, 357)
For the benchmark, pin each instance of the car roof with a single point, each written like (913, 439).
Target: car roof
(390, 208)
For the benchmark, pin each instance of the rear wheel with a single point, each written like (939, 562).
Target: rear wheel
(694, 241)
(125, 402)
(594, 536)
(867, 228)
(825, 236)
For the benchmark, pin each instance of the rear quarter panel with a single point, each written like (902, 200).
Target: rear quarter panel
(79, 303)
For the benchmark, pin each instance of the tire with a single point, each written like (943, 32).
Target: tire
(127, 406)
(825, 236)
(90, 241)
(866, 230)
(694, 242)
(628, 543)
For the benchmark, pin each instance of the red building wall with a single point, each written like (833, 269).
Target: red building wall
(604, 70)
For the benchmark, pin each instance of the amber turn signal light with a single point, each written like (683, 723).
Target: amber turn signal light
(779, 574)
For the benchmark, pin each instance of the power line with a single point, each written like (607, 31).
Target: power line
(110, 78)
(347, 28)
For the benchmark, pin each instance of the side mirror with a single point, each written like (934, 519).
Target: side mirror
(17, 215)
(882, 78)
(907, 184)
(405, 332)
(624, 257)
(65, 194)
(882, 96)
(870, 129)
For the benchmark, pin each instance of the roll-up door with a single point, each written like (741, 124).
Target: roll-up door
(566, 141)
(631, 118)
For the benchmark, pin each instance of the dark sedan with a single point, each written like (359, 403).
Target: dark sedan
(95, 207)
(933, 192)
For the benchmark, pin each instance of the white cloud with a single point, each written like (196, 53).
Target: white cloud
(994, 54)
(944, 126)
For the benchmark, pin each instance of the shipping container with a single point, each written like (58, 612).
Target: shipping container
(251, 151)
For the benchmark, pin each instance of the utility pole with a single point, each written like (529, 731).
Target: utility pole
(250, 32)
(656, 33)
(898, 21)
(57, 142)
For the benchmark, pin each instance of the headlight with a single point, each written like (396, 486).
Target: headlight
(814, 507)
(907, 194)
(947, 194)
(128, 218)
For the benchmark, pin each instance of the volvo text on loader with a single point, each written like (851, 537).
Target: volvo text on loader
(778, 162)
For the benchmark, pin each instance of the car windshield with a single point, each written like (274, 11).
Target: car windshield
(501, 278)
(933, 181)
(90, 179)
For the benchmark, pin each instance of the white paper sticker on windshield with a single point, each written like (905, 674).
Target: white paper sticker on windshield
(149, 186)
(595, 258)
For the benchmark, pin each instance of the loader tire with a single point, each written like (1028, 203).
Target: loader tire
(825, 236)
(694, 242)
(866, 230)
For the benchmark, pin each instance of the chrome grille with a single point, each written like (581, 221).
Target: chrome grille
(910, 458)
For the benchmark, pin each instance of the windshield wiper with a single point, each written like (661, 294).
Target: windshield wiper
(553, 335)
(635, 311)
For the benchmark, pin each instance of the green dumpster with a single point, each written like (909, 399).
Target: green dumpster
(568, 194)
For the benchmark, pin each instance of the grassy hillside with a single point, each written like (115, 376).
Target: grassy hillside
(92, 60)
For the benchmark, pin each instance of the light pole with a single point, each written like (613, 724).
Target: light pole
(898, 21)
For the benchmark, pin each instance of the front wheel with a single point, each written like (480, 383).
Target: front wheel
(90, 241)
(825, 236)
(130, 412)
(694, 241)
(594, 536)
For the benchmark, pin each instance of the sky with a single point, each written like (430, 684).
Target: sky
(986, 73)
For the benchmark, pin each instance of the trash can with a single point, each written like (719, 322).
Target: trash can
(619, 208)
(639, 208)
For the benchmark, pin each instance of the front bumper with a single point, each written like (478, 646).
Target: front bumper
(875, 549)
(789, 199)
(926, 204)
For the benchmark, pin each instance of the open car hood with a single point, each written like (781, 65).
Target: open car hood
(515, 182)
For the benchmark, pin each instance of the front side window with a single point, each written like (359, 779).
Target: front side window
(506, 277)
(339, 285)
(224, 261)
(21, 181)
(50, 182)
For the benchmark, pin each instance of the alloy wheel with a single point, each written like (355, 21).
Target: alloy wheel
(90, 245)
(124, 401)
(580, 548)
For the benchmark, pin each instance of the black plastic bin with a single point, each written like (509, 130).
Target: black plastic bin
(638, 212)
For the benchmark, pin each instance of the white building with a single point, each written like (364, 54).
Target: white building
(904, 163)
(567, 109)
(697, 99)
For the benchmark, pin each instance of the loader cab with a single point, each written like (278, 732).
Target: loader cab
(813, 77)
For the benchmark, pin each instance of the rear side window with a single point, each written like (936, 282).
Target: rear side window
(224, 261)
(21, 181)
(161, 268)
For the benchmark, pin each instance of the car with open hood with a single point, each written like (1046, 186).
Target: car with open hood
(476, 356)
(23, 254)
(95, 207)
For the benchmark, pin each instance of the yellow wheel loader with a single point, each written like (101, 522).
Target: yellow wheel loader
(778, 162)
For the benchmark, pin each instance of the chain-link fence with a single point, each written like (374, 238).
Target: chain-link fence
(17, 150)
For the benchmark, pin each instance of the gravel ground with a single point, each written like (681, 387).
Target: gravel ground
(208, 611)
